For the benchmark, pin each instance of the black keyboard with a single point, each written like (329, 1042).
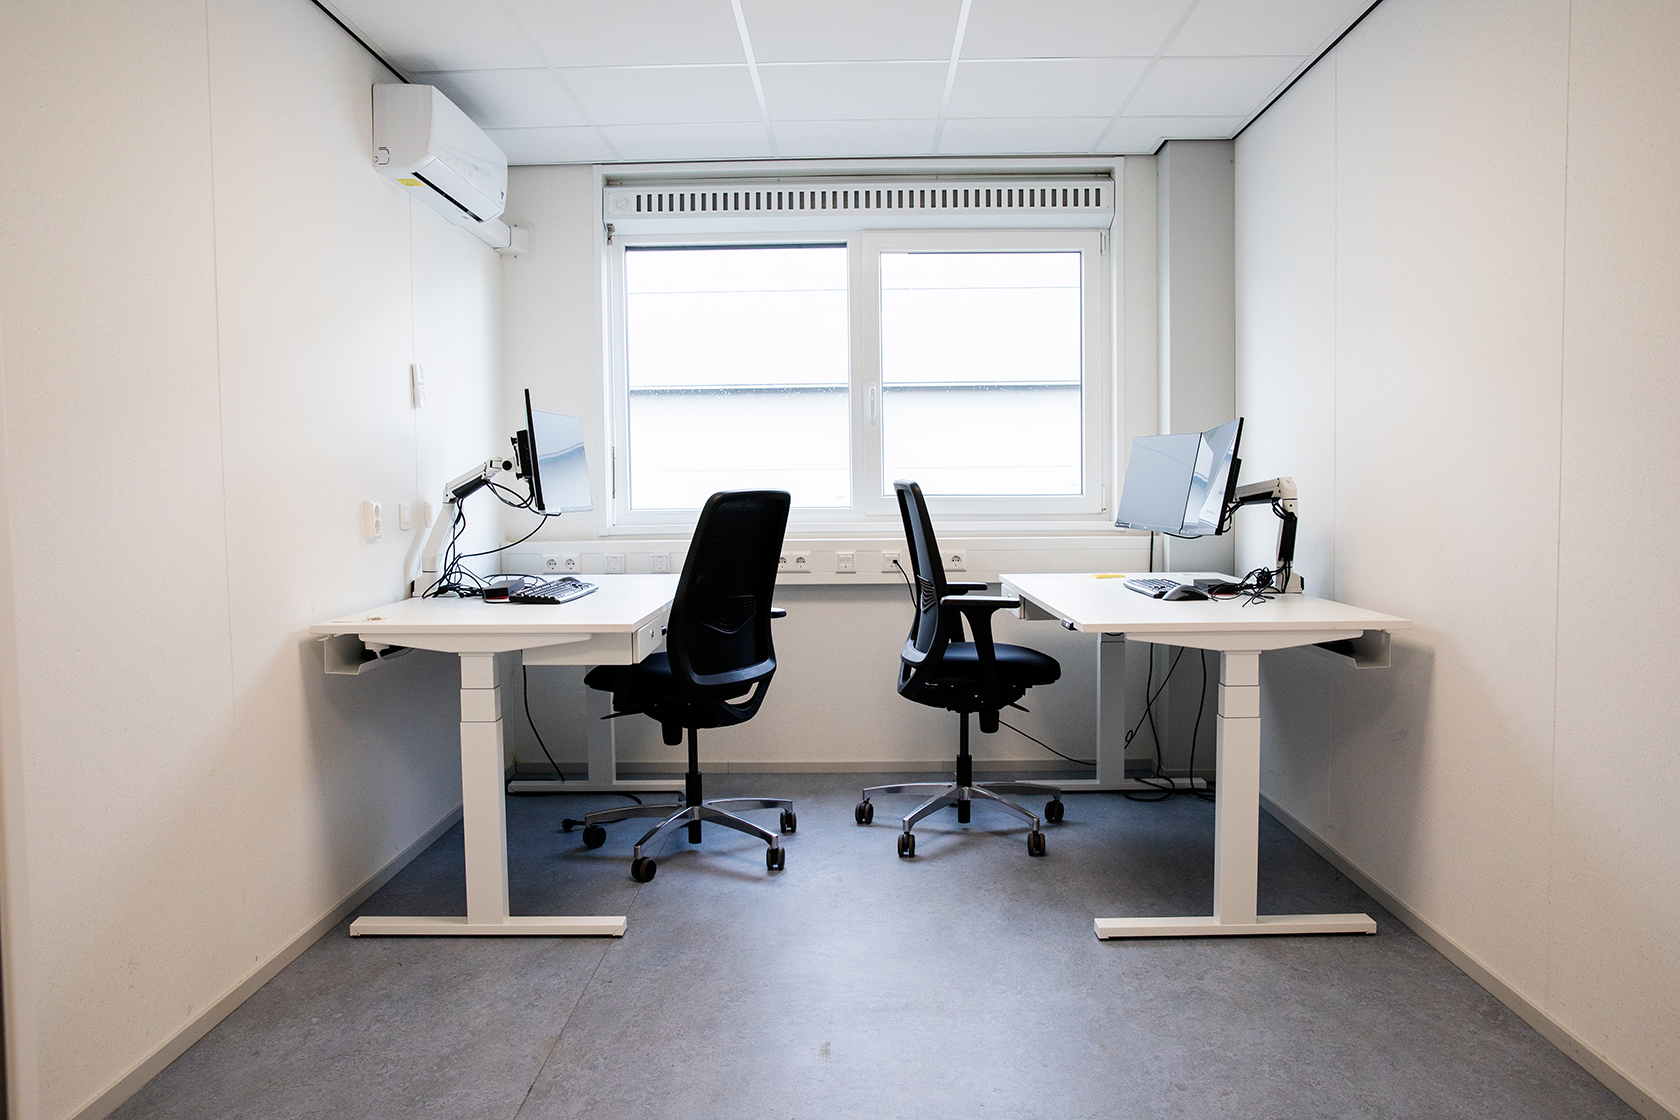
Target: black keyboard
(1154, 588)
(554, 592)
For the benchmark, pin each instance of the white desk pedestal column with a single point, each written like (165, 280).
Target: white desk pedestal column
(484, 826)
(1236, 830)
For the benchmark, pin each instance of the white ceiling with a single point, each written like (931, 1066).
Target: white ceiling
(584, 81)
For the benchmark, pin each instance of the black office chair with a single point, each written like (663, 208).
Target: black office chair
(717, 649)
(941, 670)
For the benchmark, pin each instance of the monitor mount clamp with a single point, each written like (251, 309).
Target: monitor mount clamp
(1280, 494)
(443, 529)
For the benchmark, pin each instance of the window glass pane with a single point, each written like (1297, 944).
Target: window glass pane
(980, 365)
(738, 370)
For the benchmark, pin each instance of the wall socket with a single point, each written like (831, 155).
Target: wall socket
(613, 563)
(798, 562)
(890, 562)
(845, 561)
(373, 520)
(956, 559)
(659, 562)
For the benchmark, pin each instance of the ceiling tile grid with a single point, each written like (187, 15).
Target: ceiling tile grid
(562, 81)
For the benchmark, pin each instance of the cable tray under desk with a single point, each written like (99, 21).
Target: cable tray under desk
(349, 655)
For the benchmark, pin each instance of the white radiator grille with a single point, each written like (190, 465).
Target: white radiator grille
(1062, 201)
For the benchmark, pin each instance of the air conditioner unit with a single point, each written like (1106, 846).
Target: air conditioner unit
(431, 149)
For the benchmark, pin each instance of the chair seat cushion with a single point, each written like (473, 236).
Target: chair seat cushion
(651, 688)
(1016, 665)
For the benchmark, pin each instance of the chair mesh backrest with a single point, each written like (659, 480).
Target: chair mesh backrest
(718, 635)
(926, 568)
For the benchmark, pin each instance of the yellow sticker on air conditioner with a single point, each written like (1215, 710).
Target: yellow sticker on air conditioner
(409, 182)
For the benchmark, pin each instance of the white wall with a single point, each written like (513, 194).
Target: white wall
(1458, 250)
(832, 702)
(209, 306)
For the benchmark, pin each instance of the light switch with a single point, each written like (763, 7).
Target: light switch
(405, 516)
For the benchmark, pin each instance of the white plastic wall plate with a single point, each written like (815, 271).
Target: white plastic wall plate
(956, 559)
(373, 520)
(799, 562)
(405, 516)
(845, 561)
(659, 562)
(890, 562)
(613, 563)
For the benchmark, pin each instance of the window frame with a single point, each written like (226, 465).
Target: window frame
(871, 510)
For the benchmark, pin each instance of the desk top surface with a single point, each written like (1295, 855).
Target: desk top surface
(622, 604)
(1107, 606)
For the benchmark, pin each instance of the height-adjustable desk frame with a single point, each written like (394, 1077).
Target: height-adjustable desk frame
(1239, 632)
(619, 624)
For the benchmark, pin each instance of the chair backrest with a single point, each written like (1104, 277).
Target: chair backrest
(927, 640)
(718, 634)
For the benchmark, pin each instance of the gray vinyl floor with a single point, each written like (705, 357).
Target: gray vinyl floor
(963, 983)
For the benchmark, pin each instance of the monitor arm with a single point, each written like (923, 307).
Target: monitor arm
(1279, 493)
(458, 490)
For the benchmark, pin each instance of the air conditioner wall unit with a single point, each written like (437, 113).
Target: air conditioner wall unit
(430, 148)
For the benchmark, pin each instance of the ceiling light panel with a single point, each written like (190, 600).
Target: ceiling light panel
(439, 34)
(1210, 87)
(1069, 28)
(666, 94)
(843, 139)
(507, 98)
(550, 145)
(632, 32)
(1265, 27)
(1022, 136)
(853, 90)
(855, 31)
(1067, 87)
(648, 142)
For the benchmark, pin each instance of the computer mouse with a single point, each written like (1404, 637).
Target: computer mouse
(1184, 591)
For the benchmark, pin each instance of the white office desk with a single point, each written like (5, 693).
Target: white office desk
(1239, 631)
(619, 624)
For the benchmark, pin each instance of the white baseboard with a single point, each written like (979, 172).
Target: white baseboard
(1554, 1032)
(151, 1065)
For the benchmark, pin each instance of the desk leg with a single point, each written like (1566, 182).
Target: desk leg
(1112, 723)
(1236, 831)
(484, 825)
(603, 760)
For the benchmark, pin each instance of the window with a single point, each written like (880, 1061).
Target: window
(975, 362)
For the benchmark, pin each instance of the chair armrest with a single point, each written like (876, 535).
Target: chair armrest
(978, 611)
(976, 605)
(964, 588)
(778, 612)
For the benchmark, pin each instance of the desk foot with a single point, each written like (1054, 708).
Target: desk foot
(1266, 925)
(520, 925)
(631, 785)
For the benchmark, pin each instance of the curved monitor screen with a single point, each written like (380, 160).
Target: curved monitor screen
(1180, 484)
(559, 471)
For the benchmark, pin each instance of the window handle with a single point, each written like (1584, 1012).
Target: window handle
(874, 402)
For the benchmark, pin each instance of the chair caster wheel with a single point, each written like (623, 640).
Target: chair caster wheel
(643, 869)
(1035, 843)
(864, 813)
(906, 845)
(594, 836)
(568, 824)
(1053, 812)
(790, 821)
(775, 859)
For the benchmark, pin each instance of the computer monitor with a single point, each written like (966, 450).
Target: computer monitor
(552, 463)
(1181, 484)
